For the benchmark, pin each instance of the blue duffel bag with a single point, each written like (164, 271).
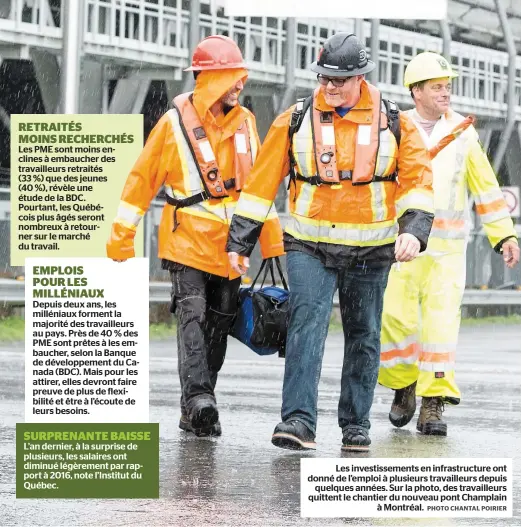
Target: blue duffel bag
(262, 315)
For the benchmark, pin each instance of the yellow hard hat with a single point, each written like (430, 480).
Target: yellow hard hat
(425, 66)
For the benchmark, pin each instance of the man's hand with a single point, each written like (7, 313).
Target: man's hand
(240, 268)
(510, 251)
(407, 248)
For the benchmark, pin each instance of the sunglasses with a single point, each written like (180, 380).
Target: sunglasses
(338, 83)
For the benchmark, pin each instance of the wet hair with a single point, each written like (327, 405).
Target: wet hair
(416, 85)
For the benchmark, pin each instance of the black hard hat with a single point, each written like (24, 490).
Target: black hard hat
(342, 55)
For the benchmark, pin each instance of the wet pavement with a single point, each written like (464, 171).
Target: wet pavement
(240, 479)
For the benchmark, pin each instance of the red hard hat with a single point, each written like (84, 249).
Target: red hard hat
(216, 52)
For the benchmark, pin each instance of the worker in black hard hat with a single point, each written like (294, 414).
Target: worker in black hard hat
(342, 56)
(343, 148)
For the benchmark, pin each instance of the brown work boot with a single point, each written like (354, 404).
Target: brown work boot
(430, 421)
(404, 405)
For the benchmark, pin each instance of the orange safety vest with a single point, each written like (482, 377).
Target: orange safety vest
(202, 152)
(204, 158)
(372, 150)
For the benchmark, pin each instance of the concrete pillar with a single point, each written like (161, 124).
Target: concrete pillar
(375, 50)
(447, 38)
(513, 156)
(359, 29)
(290, 63)
(193, 40)
(47, 71)
(129, 96)
(73, 16)
(263, 108)
(511, 87)
(173, 88)
(91, 87)
(5, 119)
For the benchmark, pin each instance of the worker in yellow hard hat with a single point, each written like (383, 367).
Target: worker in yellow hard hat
(419, 359)
(427, 66)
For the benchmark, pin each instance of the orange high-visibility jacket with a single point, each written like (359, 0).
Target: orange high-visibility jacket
(341, 222)
(202, 229)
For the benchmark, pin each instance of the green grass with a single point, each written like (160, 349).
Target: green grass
(510, 320)
(162, 331)
(12, 328)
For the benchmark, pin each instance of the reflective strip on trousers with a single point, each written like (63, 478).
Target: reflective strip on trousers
(440, 357)
(435, 354)
(342, 233)
(403, 352)
(436, 366)
(431, 357)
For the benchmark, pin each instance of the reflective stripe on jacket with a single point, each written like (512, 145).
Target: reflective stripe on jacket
(199, 241)
(340, 215)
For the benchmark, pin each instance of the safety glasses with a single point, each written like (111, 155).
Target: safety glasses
(338, 83)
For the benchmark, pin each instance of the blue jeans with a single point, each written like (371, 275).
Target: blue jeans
(361, 291)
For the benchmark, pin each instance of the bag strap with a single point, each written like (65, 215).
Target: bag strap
(269, 269)
(267, 266)
(263, 265)
(283, 280)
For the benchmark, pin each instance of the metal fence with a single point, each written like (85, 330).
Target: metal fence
(485, 269)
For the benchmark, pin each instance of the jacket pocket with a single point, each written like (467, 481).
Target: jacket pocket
(305, 203)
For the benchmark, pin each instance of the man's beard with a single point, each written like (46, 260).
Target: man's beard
(227, 108)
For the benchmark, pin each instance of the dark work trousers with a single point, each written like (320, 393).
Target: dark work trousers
(205, 307)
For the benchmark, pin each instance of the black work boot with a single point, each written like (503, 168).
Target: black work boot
(293, 435)
(355, 439)
(430, 421)
(203, 414)
(212, 431)
(404, 405)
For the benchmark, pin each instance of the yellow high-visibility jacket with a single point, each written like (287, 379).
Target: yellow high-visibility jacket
(460, 167)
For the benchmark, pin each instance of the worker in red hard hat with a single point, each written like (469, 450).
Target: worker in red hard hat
(201, 151)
